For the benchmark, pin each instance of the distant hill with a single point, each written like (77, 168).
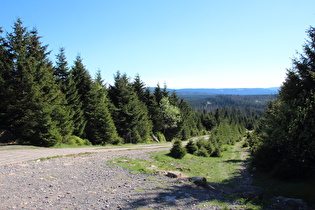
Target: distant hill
(205, 92)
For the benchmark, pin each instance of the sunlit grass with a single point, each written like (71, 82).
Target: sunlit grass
(215, 169)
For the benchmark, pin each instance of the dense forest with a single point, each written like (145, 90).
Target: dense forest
(46, 103)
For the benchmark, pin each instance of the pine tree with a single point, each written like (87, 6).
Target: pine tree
(285, 141)
(61, 70)
(34, 107)
(177, 151)
(139, 87)
(5, 75)
(100, 128)
(130, 115)
(83, 85)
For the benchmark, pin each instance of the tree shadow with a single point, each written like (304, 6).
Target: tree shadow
(188, 194)
(233, 161)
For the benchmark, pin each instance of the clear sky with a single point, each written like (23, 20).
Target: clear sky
(183, 43)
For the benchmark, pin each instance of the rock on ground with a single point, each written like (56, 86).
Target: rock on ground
(88, 182)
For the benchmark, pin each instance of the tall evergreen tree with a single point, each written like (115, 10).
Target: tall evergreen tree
(100, 128)
(5, 75)
(61, 70)
(34, 104)
(131, 115)
(285, 142)
(139, 87)
(83, 84)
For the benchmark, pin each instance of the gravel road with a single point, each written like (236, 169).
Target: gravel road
(86, 181)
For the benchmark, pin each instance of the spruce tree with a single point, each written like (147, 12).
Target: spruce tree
(139, 87)
(100, 128)
(83, 85)
(34, 104)
(130, 114)
(177, 151)
(285, 141)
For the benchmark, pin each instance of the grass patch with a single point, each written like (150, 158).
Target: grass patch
(215, 169)
(139, 189)
(135, 165)
(17, 147)
(60, 156)
(224, 170)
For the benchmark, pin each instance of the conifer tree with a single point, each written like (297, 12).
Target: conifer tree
(65, 80)
(139, 87)
(130, 115)
(34, 104)
(178, 151)
(100, 128)
(83, 85)
(5, 74)
(285, 141)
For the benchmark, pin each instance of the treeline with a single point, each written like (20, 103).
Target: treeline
(284, 142)
(245, 103)
(45, 104)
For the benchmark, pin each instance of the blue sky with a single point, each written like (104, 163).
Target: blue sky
(185, 44)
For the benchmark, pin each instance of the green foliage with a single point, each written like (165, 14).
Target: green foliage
(206, 144)
(41, 103)
(160, 136)
(191, 147)
(284, 143)
(177, 151)
(130, 114)
(202, 151)
(76, 141)
(100, 128)
(33, 107)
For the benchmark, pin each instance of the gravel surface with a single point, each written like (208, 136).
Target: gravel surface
(88, 182)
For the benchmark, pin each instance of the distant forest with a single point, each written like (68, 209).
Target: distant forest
(245, 103)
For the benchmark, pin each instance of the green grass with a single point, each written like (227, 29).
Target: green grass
(222, 170)
(215, 169)
(17, 147)
(60, 156)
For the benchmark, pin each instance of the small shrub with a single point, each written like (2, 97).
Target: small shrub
(117, 140)
(207, 144)
(217, 152)
(203, 152)
(191, 147)
(160, 136)
(177, 151)
(76, 141)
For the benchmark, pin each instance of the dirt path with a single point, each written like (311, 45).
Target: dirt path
(17, 154)
(88, 182)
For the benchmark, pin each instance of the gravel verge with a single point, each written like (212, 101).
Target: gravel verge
(88, 182)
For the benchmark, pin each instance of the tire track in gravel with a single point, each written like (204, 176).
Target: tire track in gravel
(17, 154)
